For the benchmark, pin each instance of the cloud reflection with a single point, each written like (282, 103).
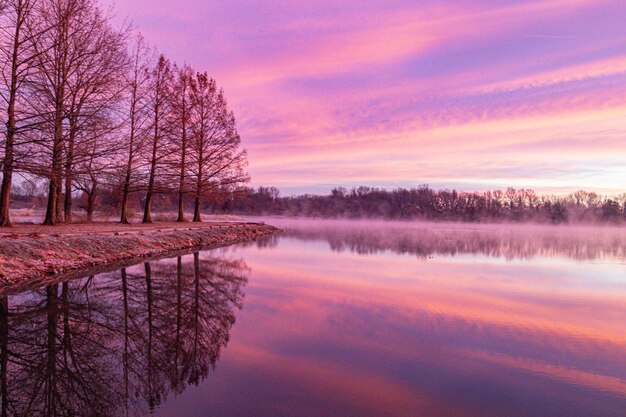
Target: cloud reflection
(463, 333)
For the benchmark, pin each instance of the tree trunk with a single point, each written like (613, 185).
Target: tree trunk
(129, 162)
(125, 191)
(91, 199)
(181, 213)
(7, 169)
(59, 205)
(69, 161)
(183, 154)
(196, 210)
(67, 207)
(52, 212)
(59, 65)
(51, 208)
(147, 218)
(7, 176)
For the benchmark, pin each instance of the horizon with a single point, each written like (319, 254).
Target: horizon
(526, 94)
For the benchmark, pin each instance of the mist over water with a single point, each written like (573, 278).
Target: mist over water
(424, 239)
(349, 318)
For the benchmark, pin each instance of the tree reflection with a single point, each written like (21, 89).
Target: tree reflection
(506, 241)
(117, 344)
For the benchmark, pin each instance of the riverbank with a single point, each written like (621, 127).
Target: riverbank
(33, 253)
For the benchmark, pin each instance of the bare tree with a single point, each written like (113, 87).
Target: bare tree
(84, 114)
(93, 169)
(69, 19)
(95, 87)
(17, 53)
(159, 100)
(137, 84)
(216, 158)
(183, 85)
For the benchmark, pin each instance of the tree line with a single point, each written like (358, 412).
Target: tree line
(516, 205)
(88, 107)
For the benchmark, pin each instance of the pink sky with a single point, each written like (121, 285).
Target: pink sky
(471, 95)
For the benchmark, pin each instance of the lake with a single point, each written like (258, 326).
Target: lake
(335, 318)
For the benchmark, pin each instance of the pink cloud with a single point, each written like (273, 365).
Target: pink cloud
(389, 92)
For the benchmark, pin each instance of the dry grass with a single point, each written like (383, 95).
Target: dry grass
(39, 251)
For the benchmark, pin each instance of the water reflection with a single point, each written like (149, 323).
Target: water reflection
(359, 329)
(427, 239)
(337, 321)
(119, 343)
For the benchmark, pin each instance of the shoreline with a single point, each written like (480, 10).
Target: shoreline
(32, 255)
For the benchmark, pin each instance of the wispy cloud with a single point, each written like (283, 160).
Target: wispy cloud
(394, 92)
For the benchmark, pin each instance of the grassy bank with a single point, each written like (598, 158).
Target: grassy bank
(36, 253)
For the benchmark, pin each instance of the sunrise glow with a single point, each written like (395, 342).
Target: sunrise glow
(470, 95)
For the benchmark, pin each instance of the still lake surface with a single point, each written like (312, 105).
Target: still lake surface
(335, 318)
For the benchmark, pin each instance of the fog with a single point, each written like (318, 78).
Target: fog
(424, 239)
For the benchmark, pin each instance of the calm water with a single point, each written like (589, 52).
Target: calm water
(335, 319)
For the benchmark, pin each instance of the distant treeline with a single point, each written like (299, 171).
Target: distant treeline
(516, 205)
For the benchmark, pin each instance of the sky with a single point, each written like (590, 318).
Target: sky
(471, 95)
